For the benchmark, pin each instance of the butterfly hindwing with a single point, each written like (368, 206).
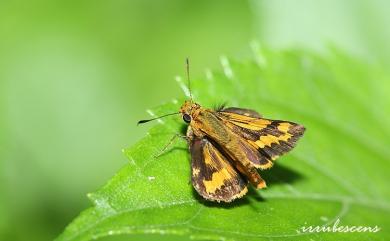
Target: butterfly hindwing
(272, 138)
(213, 175)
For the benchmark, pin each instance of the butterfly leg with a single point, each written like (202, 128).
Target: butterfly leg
(170, 143)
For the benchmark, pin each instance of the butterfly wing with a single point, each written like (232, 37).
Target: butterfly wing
(242, 111)
(213, 175)
(272, 138)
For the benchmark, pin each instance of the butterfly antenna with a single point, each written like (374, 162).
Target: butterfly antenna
(188, 77)
(145, 121)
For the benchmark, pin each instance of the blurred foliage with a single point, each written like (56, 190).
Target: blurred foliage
(317, 184)
(75, 78)
(76, 75)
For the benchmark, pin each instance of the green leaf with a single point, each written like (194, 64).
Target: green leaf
(337, 171)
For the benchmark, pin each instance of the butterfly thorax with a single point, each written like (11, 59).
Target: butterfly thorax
(204, 122)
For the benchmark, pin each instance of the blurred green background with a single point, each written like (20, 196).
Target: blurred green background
(75, 76)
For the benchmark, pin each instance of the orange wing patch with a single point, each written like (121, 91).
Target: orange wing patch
(268, 140)
(278, 138)
(217, 180)
(224, 173)
(247, 122)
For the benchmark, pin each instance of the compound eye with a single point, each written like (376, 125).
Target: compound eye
(187, 118)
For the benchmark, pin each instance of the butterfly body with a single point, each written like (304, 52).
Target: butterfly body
(227, 147)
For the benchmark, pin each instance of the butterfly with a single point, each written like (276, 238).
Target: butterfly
(229, 145)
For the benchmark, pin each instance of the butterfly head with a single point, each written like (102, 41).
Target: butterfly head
(189, 110)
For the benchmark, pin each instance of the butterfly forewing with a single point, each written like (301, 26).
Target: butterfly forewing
(272, 138)
(242, 111)
(213, 175)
